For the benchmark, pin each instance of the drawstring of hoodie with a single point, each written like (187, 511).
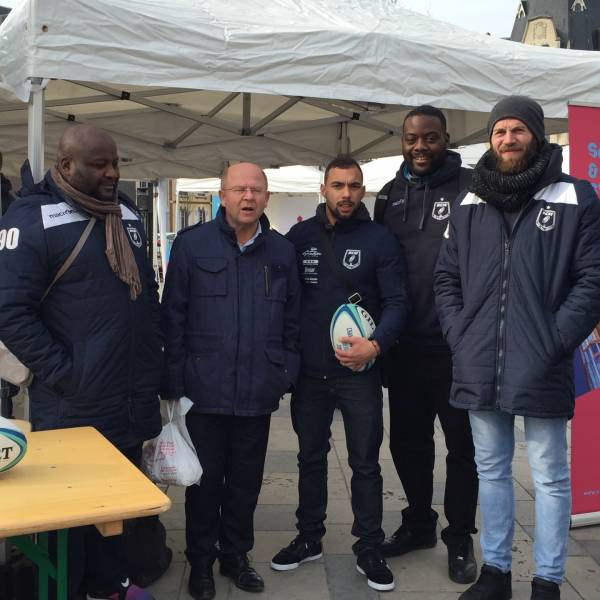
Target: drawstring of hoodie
(405, 208)
(423, 205)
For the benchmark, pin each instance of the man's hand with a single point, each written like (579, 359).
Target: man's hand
(361, 351)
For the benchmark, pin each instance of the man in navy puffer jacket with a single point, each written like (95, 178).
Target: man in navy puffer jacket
(518, 288)
(93, 344)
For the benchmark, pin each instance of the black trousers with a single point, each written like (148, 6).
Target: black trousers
(359, 398)
(419, 388)
(221, 508)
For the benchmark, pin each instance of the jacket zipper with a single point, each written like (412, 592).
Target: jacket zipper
(503, 304)
(501, 333)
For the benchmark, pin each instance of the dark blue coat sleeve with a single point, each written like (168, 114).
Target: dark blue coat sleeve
(580, 311)
(24, 277)
(393, 289)
(174, 312)
(447, 283)
(291, 325)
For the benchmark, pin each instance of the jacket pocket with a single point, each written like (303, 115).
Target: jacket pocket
(275, 282)
(278, 376)
(209, 277)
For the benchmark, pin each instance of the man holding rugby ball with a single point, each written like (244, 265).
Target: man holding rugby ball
(343, 257)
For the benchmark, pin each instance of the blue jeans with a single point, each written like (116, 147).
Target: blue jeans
(360, 400)
(493, 435)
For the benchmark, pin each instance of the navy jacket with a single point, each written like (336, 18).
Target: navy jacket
(514, 307)
(373, 263)
(95, 354)
(417, 213)
(230, 320)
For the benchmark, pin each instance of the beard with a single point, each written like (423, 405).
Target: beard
(338, 215)
(514, 165)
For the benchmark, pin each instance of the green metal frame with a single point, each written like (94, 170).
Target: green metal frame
(38, 552)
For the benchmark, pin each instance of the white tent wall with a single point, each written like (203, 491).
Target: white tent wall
(186, 86)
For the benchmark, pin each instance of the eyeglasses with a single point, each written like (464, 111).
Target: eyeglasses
(239, 190)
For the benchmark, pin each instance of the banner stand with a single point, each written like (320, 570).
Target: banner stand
(584, 145)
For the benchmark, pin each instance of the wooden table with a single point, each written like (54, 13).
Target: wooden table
(68, 478)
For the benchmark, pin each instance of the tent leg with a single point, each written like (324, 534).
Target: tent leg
(35, 130)
(162, 213)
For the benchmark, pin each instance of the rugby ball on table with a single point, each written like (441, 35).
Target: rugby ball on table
(351, 320)
(13, 444)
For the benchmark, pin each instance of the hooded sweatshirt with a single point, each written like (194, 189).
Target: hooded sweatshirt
(416, 210)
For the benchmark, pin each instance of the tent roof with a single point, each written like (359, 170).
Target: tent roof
(186, 85)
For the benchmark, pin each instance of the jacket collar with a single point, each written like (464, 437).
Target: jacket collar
(229, 232)
(448, 169)
(360, 215)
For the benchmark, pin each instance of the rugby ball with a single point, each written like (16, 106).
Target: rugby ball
(13, 444)
(350, 320)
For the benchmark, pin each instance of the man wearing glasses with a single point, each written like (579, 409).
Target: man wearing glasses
(231, 322)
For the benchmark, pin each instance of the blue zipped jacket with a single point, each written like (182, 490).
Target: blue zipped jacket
(513, 307)
(371, 258)
(95, 354)
(230, 320)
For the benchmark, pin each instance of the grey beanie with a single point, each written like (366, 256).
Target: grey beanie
(519, 107)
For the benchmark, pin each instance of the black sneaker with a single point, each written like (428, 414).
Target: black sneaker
(462, 567)
(405, 539)
(298, 552)
(492, 584)
(369, 562)
(542, 589)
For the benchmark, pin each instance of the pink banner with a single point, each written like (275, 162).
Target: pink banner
(584, 141)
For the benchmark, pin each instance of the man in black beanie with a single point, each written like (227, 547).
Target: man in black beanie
(517, 288)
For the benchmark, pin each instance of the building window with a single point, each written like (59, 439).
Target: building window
(578, 6)
(521, 11)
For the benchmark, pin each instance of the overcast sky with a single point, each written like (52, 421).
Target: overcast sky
(486, 16)
(493, 16)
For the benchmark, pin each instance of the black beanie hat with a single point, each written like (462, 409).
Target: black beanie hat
(519, 107)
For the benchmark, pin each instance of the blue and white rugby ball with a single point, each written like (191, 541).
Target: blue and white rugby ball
(13, 444)
(350, 320)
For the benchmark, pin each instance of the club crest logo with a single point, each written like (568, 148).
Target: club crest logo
(134, 236)
(546, 219)
(441, 210)
(351, 259)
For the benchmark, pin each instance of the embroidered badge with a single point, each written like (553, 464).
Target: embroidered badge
(134, 236)
(441, 210)
(546, 219)
(351, 259)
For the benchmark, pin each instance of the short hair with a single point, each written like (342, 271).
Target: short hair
(426, 110)
(342, 162)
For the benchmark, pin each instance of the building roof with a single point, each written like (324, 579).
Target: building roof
(577, 22)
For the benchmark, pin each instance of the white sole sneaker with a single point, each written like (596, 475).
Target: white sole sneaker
(292, 566)
(380, 587)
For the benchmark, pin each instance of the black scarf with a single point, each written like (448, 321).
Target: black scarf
(508, 192)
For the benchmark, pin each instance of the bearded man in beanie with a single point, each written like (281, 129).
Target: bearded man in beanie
(517, 289)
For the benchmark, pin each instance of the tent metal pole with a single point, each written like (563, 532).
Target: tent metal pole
(162, 207)
(35, 128)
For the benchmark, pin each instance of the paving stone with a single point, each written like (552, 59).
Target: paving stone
(174, 518)
(275, 517)
(308, 581)
(586, 533)
(281, 461)
(280, 439)
(583, 573)
(170, 584)
(345, 582)
(592, 547)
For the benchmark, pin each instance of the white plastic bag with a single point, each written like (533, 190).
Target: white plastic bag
(171, 457)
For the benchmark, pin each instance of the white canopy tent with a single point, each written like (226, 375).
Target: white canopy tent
(188, 85)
